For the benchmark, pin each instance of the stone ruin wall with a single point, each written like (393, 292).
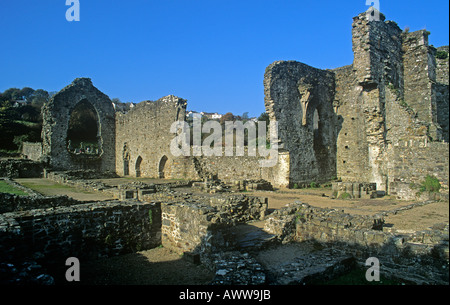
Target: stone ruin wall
(86, 231)
(143, 133)
(300, 98)
(364, 236)
(32, 151)
(56, 115)
(394, 96)
(442, 93)
(143, 137)
(232, 168)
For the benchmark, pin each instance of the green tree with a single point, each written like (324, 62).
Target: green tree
(26, 93)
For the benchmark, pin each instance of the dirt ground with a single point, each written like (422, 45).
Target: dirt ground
(158, 266)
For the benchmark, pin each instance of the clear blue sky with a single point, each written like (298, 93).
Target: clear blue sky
(212, 53)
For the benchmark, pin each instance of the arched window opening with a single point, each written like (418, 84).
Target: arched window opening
(138, 166)
(82, 131)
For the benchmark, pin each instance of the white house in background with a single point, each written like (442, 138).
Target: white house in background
(18, 103)
(211, 116)
(216, 116)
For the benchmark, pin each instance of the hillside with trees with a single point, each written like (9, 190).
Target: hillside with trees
(20, 117)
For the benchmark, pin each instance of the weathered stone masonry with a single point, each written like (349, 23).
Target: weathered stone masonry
(143, 138)
(86, 231)
(56, 114)
(360, 122)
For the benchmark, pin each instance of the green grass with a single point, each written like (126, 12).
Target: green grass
(357, 277)
(6, 188)
(44, 188)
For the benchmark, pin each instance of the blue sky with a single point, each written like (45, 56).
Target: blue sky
(212, 53)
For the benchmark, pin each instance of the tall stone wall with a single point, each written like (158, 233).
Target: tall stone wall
(143, 138)
(351, 157)
(300, 98)
(442, 96)
(394, 92)
(419, 64)
(377, 65)
(56, 115)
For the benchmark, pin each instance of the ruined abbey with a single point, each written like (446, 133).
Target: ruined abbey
(381, 120)
(376, 127)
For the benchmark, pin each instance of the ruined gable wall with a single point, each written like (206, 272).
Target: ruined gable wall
(56, 115)
(144, 131)
(295, 94)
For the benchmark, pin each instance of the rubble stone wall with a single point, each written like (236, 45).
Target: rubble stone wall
(231, 168)
(93, 230)
(412, 161)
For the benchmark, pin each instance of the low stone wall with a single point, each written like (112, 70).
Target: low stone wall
(14, 203)
(354, 189)
(236, 208)
(194, 229)
(231, 168)
(16, 168)
(301, 222)
(85, 231)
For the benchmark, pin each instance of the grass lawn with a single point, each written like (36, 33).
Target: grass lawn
(48, 186)
(357, 277)
(6, 188)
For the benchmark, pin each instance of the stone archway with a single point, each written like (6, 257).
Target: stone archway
(56, 115)
(161, 167)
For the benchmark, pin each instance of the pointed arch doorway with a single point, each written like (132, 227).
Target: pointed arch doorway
(162, 167)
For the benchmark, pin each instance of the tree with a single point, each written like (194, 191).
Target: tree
(227, 117)
(26, 93)
(11, 94)
(39, 97)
